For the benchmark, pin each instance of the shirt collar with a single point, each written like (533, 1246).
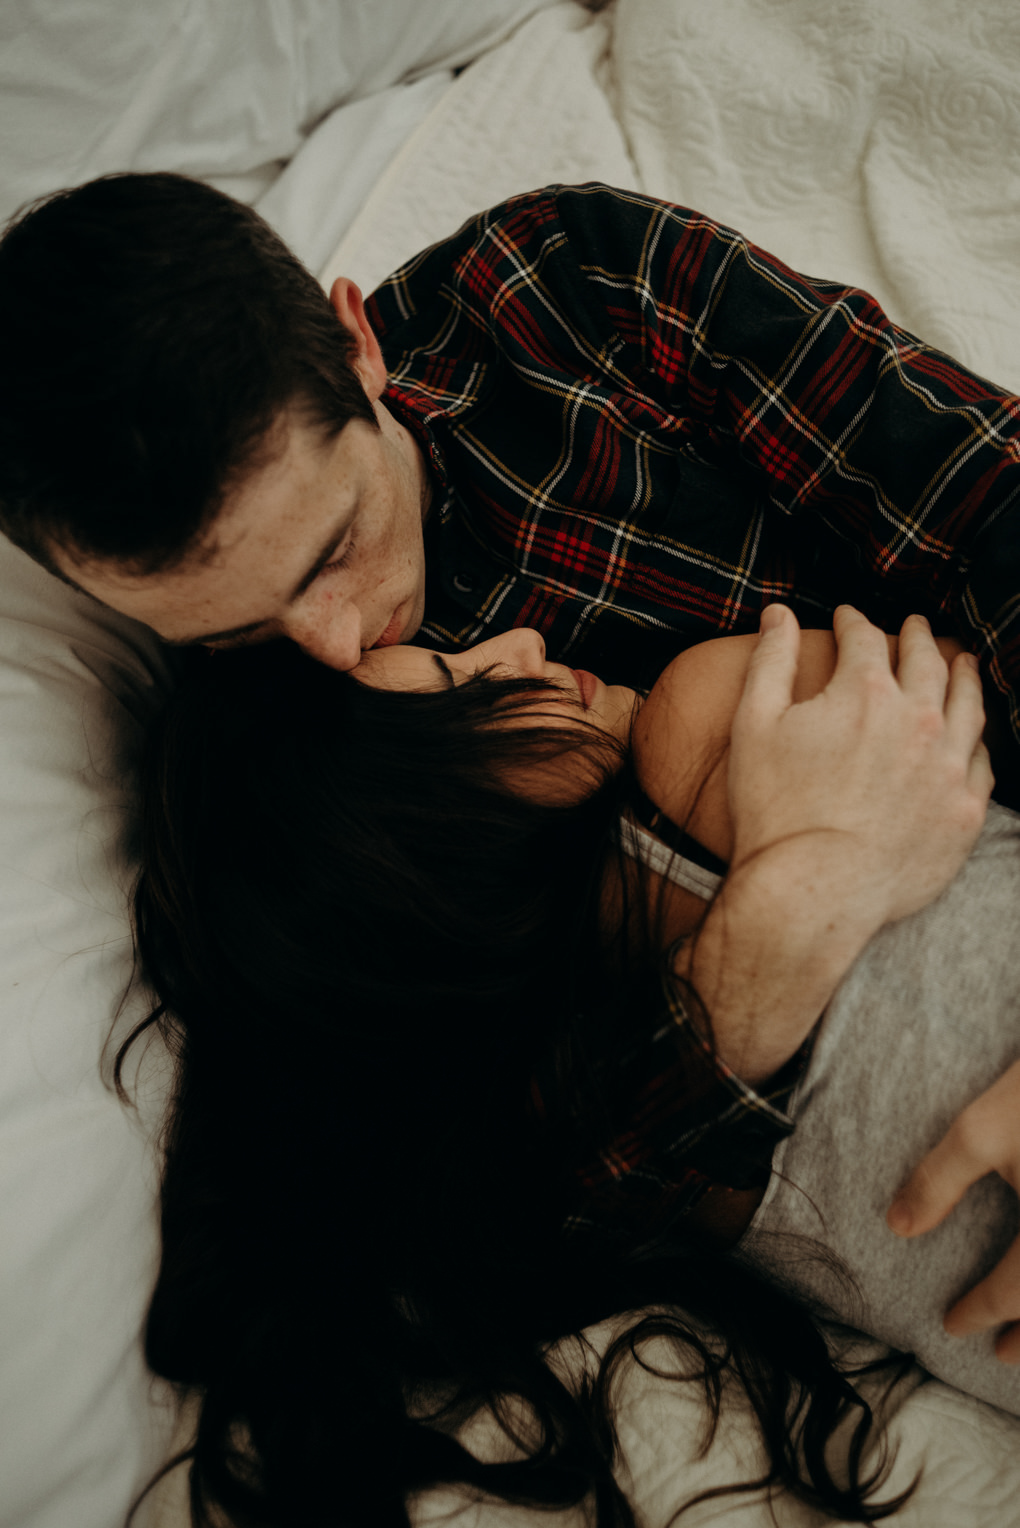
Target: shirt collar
(415, 409)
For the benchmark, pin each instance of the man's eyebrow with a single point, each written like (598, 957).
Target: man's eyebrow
(207, 638)
(336, 535)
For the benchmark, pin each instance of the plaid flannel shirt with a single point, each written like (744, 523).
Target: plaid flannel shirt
(642, 429)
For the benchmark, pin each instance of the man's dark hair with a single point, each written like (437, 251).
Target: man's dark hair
(152, 331)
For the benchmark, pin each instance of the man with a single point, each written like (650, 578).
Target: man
(604, 417)
(586, 412)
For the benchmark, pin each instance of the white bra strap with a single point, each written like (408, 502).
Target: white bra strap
(651, 851)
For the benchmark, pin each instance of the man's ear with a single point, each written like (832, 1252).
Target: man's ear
(349, 306)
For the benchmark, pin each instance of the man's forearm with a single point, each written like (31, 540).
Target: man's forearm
(771, 953)
(850, 810)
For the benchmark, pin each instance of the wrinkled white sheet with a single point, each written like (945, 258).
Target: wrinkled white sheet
(316, 198)
(526, 113)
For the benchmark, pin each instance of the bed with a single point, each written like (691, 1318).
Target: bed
(875, 144)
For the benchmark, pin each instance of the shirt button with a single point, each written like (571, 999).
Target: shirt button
(463, 583)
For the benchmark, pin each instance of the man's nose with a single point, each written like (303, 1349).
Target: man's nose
(334, 640)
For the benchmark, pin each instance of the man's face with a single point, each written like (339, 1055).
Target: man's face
(323, 545)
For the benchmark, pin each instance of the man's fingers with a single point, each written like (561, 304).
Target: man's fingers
(964, 704)
(768, 688)
(995, 1300)
(921, 669)
(859, 643)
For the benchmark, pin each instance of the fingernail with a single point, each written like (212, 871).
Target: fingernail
(899, 1218)
(973, 661)
(771, 617)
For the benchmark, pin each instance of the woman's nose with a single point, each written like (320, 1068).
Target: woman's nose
(523, 649)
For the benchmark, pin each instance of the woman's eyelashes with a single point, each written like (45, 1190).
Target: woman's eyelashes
(445, 669)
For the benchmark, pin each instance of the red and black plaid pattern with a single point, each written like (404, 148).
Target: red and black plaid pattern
(644, 428)
(687, 1122)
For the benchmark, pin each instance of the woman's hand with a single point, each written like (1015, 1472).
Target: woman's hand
(985, 1138)
(849, 810)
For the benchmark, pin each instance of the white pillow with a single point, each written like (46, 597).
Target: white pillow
(82, 1425)
(206, 87)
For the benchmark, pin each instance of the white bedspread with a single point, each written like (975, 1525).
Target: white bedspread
(873, 142)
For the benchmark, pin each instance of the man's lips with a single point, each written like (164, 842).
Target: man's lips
(391, 636)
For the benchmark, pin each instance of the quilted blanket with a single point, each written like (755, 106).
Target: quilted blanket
(875, 143)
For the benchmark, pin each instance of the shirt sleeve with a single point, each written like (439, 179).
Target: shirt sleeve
(910, 458)
(689, 1123)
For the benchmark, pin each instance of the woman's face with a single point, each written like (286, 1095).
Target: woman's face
(517, 654)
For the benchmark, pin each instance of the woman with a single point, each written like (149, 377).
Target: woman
(868, 1108)
(414, 985)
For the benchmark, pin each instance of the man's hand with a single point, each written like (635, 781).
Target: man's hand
(888, 768)
(849, 810)
(985, 1138)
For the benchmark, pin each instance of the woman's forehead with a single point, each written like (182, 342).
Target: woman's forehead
(402, 667)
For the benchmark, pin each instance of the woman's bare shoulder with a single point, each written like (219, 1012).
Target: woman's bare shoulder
(682, 733)
(681, 737)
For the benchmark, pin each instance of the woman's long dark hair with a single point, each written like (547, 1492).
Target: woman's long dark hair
(364, 938)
